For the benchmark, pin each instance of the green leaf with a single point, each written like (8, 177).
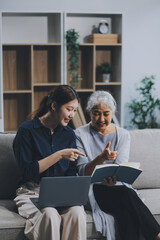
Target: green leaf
(143, 111)
(73, 48)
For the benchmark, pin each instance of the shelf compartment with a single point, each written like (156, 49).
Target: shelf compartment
(87, 23)
(31, 27)
(16, 67)
(46, 64)
(111, 54)
(85, 69)
(16, 109)
(39, 93)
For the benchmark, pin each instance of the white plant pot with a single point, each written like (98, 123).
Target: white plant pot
(106, 77)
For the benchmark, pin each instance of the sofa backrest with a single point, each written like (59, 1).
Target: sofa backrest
(145, 148)
(9, 174)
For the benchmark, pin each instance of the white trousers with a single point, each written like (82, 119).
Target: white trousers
(50, 224)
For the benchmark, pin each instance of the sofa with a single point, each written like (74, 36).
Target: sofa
(145, 148)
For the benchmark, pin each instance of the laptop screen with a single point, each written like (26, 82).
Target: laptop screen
(64, 191)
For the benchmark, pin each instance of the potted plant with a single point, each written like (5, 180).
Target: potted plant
(73, 49)
(144, 108)
(105, 69)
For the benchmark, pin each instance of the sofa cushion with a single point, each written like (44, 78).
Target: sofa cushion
(12, 234)
(11, 224)
(151, 199)
(9, 174)
(91, 232)
(145, 148)
(9, 216)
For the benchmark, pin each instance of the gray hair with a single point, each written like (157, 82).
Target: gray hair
(103, 98)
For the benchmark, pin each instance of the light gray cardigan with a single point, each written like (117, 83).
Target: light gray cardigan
(104, 223)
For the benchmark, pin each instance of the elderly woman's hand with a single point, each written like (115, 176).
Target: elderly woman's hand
(110, 182)
(109, 155)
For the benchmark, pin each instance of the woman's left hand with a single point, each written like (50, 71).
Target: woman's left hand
(110, 182)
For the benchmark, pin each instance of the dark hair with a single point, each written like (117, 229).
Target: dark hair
(60, 95)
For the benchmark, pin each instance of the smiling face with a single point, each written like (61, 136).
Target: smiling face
(67, 112)
(101, 117)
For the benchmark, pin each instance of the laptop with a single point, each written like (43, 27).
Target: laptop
(63, 191)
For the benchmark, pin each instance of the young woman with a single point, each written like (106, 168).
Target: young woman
(46, 147)
(103, 142)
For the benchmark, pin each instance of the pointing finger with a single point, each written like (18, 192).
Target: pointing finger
(78, 152)
(108, 145)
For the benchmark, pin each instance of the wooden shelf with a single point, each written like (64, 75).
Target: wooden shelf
(108, 45)
(27, 68)
(109, 83)
(33, 60)
(47, 44)
(101, 44)
(85, 90)
(45, 84)
(17, 91)
(87, 44)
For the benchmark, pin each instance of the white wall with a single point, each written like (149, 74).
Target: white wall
(141, 35)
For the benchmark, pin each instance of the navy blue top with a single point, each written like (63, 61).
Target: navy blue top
(34, 141)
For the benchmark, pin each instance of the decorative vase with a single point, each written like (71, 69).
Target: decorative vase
(106, 77)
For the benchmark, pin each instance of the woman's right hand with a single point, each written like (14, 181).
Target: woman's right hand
(70, 154)
(107, 154)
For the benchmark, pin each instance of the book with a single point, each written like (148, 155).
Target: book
(126, 172)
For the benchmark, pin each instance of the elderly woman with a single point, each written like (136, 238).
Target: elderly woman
(103, 142)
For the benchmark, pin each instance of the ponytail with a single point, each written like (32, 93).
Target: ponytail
(60, 96)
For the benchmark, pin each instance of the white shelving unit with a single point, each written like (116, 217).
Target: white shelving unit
(33, 60)
(93, 54)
